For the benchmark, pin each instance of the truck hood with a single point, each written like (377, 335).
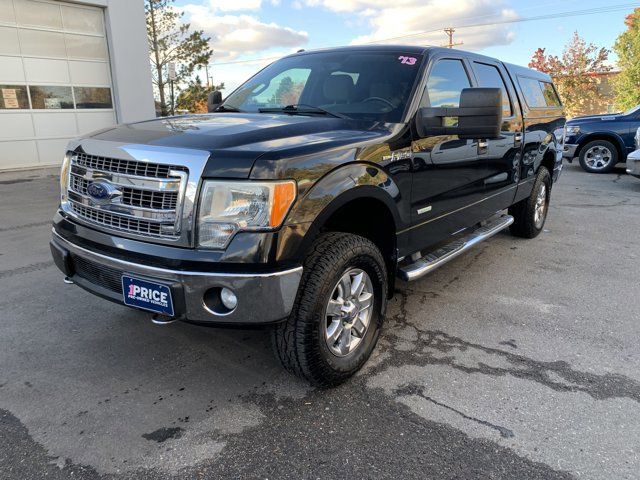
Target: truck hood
(593, 118)
(236, 140)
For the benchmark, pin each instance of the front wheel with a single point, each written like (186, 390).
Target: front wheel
(598, 156)
(336, 319)
(530, 214)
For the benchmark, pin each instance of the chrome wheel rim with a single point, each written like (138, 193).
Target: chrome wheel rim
(540, 210)
(598, 157)
(348, 312)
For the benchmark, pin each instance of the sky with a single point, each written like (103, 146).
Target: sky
(256, 32)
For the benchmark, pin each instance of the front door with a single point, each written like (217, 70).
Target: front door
(448, 172)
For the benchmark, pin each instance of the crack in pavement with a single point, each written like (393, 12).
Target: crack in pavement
(28, 269)
(418, 390)
(26, 225)
(598, 386)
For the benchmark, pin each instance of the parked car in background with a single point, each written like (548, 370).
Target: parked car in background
(303, 195)
(601, 141)
(633, 160)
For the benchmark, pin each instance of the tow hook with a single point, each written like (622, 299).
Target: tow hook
(163, 319)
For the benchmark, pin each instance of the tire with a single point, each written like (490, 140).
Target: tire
(599, 156)
(529, 219)
(301, 342)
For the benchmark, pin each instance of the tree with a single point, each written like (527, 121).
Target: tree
(575, 72)
(194, 97)
(288, 92)
(170, 41)
(627, 46)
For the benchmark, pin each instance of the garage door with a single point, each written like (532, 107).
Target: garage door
(55, 81)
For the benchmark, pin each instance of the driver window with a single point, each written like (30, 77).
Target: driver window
(446, 81)
(284, 89)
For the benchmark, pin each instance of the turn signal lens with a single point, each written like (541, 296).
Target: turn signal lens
(283, 196)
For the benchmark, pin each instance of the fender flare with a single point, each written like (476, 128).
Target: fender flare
(335, 190)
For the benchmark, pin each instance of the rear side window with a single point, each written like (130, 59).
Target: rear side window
(550, 95)
(489, 76)
(446, 81)
(539, 94)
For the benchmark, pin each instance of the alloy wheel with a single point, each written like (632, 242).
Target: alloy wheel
(348, 312)
(598, 157)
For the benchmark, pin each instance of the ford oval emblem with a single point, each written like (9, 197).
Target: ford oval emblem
(102, 192)
(98, 190)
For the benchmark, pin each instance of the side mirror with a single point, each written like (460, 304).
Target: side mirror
(479, 116)
(214, 99)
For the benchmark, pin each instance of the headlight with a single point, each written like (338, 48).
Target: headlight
(571, 130)
(638, 139)
(64, 177)
(230, 207)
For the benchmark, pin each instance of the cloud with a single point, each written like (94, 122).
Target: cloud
(234, 5)
(405, 17)
(235, 35)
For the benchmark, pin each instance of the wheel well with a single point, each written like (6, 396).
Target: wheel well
(372, 219)
(602, 136)
(549, 162)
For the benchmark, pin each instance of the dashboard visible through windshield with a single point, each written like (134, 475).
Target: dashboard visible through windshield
(361, 85)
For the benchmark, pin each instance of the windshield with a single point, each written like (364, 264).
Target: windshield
(360, 85)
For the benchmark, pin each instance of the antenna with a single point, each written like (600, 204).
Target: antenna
(450, 31)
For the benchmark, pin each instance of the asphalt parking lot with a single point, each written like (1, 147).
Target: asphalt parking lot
(518, 360)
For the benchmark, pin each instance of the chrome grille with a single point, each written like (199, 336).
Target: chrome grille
(133, 196)
(127, 167)
(142, 198)
(116, 222)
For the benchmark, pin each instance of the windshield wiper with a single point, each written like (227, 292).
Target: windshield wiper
(225, 108)
(303, 109)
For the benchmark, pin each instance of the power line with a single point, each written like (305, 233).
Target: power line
(574, 13)
(571, 13)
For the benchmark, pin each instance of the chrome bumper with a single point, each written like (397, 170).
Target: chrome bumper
(633, 163)
(569, 151)
(262, 297)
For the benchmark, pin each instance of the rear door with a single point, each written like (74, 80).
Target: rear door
(448, 173)
(503, 155)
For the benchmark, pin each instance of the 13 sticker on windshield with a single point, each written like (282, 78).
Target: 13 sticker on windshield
(407, 60)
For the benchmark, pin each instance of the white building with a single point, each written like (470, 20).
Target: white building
(67, 68)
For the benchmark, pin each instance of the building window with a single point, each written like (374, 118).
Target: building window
(14, 97)
(51, 97)
(93, 97)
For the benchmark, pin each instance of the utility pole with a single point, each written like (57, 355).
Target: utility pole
(206, 68)
(450, 31)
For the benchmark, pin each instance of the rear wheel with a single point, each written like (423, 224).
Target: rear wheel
(336, 319)
(599, 156)
(530, 214)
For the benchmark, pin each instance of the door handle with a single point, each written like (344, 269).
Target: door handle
(517, 139)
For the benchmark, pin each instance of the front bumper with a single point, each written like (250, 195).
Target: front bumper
(262, 297)
(569, 151)
(633, 164)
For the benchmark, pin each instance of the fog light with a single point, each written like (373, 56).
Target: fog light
(228, 298)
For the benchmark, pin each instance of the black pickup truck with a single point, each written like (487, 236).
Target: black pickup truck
(303, 196)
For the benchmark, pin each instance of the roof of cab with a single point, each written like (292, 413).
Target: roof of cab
(527, 72)
(418, 50)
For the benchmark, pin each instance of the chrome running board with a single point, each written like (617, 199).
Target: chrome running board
(444, 254)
